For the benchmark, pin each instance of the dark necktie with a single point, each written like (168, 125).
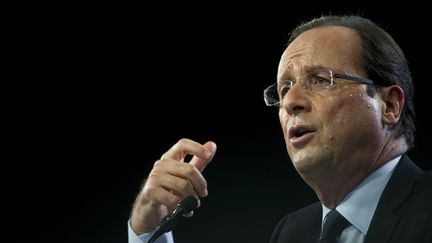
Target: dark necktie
(334, 224)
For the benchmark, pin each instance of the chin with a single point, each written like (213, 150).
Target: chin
(306, 165)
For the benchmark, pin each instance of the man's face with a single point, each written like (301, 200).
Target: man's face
(337, 129)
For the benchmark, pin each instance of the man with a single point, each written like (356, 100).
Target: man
(344, 95)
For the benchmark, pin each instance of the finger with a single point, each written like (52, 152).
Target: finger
(159, 190)
(177, 185)
(199, 162)
(158, 195)
(188, 215)
(184, 147)
(189, 173)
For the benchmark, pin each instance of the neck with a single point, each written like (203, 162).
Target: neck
(331, 192)
(332, 184)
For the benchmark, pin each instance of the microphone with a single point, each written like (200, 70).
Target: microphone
(169, 221)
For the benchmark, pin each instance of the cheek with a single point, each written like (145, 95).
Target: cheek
(283, 119)
(353, 115)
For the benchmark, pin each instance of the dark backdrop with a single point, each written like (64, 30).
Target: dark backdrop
(115, 86)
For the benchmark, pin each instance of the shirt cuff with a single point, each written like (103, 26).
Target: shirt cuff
(134, 238)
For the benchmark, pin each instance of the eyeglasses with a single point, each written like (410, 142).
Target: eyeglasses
(315, 81)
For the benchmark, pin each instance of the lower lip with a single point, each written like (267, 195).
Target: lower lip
(301, 141)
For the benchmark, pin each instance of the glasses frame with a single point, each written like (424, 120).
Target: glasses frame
(269, 101)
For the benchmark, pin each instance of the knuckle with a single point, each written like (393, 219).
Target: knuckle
(182, 141)
(164, 155)
(157, 164)
(190, 170)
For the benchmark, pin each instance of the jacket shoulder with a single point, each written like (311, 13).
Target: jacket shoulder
(303, 225)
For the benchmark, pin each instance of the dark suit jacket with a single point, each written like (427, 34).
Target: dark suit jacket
(403, 213)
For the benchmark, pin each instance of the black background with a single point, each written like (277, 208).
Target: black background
(113, 87)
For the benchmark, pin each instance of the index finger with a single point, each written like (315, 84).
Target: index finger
(201, 163)
(187, 147)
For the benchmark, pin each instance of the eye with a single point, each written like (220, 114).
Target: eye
(283, 88)
(319, 80)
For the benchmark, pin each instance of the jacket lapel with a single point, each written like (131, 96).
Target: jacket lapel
(397, 190)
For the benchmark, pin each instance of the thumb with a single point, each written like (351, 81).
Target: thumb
(201, 163)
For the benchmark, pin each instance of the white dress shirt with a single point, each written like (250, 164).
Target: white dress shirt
(358, 207)
(134, 238)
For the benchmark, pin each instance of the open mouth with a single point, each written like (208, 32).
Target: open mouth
(299, 131)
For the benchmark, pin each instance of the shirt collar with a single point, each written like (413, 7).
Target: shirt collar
(358, 207)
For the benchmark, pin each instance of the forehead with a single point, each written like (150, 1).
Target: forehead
(333, 47)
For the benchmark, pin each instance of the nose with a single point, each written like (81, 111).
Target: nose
(296, 100)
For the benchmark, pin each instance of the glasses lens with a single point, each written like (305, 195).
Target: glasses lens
(271, 96)
(318, 79)
(314, 81)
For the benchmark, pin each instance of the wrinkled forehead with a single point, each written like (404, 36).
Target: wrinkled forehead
(333, 47)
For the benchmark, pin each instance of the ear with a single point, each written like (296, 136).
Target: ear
(394, 100)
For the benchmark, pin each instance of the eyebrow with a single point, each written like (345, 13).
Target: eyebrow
(307, 68)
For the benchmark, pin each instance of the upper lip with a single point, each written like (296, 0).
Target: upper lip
(294, 130)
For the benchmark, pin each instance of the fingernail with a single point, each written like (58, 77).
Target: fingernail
(208, 153)
(214, 147)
